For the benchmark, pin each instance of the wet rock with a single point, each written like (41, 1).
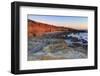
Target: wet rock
(55, 47)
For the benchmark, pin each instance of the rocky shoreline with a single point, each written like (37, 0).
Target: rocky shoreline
(53, 48)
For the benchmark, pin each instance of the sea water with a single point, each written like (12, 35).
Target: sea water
(81, 37)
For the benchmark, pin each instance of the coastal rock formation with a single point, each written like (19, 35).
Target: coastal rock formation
(55, 47)
(48, 42)
(38, 29)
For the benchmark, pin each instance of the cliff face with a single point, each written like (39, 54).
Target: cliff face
(38, 29)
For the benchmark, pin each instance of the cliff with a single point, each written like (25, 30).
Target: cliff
(38, 29)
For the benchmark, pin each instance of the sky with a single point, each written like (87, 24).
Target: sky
(77, 22)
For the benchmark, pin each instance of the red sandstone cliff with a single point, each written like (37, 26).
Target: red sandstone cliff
(38, 29)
